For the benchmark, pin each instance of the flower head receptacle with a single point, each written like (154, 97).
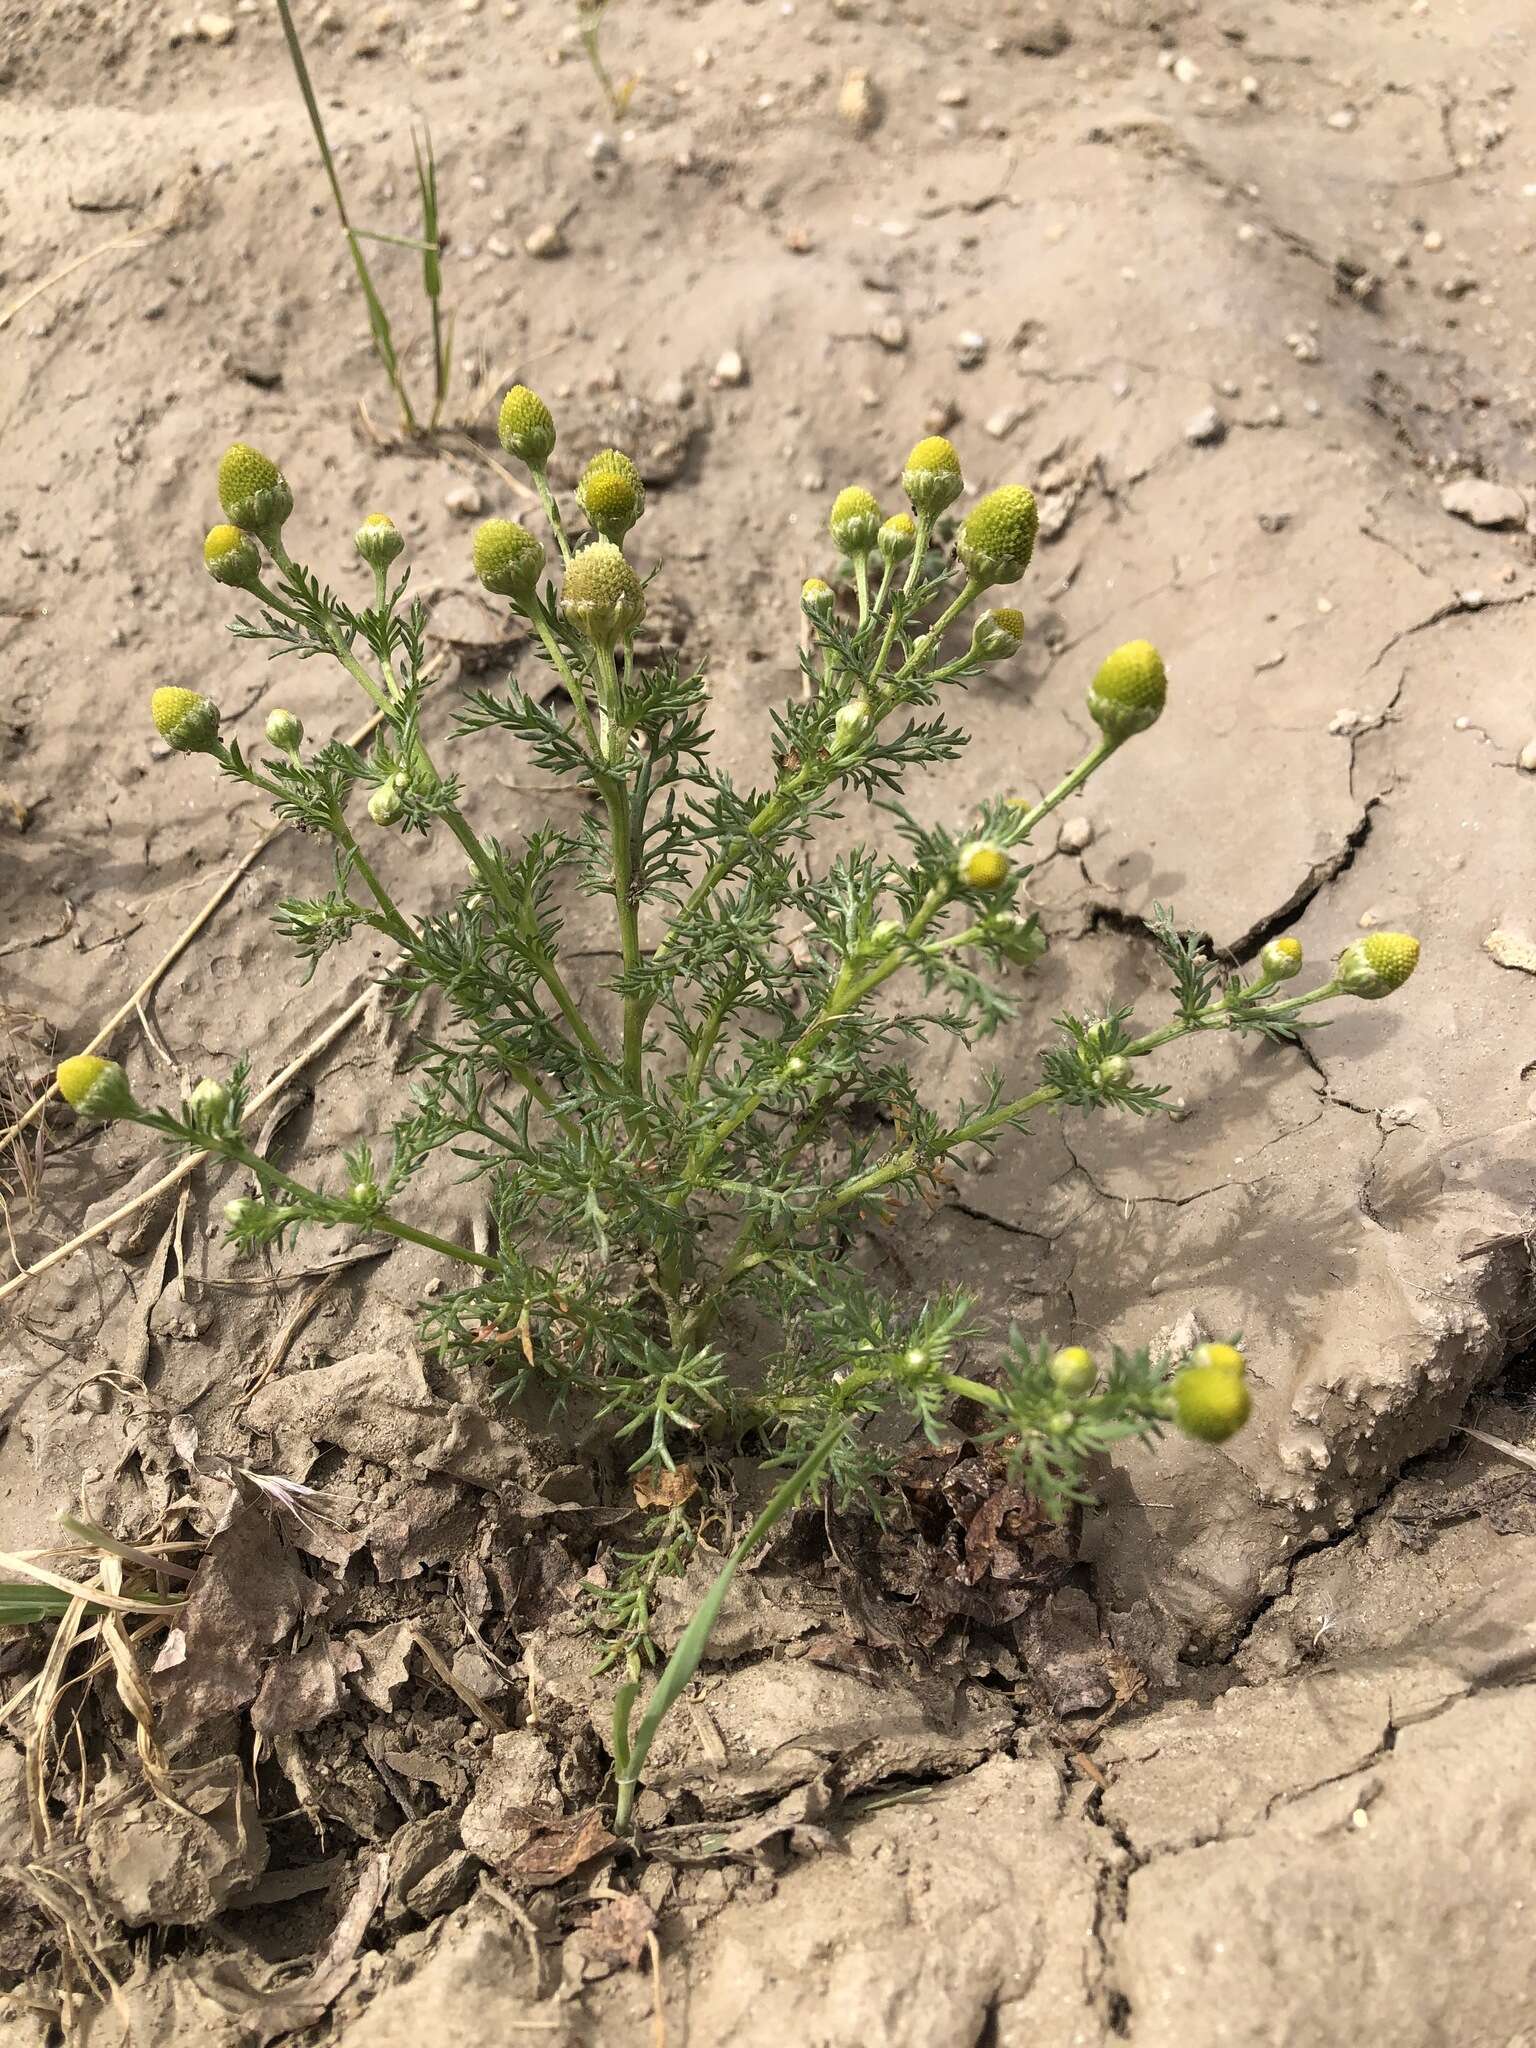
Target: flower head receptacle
(508, 559)
(982, 865)
(1210, 1397)
(997, 635)
(931, 476)
(602, 597)
(1373, 967)
(253, 492)
(1129, 691)
(1280, 959)
(897, 538)
(611, 493)
(526, 428)
(185, 720)
(997, 536)
(818, 598)
(1073, 1371)
(230, 556)
(95, 1088)
(854, 523)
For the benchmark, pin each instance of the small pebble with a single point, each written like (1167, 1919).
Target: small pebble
(858, 104)
(464, 501)
(546, 241)
(953, 96)
(891, 333)
(1526, 762)
(1206, 429)
(1076, 835)
(970, 349)
(1249, 88)
(214, 28)
(730, 369)
(1001, 423)
(1185, 70)
(1434, 241)
(602, 149)
(1482, 503)
(1345, 119)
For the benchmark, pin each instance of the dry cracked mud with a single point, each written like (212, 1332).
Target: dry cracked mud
(1255, 310)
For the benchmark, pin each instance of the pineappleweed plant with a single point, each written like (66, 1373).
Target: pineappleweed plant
(674, 1208)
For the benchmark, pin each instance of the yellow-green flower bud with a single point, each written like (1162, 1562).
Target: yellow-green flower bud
(611, 494)
(253, 492)
(208, 1106)
(1219, 1358)
(983, 865)
(855, 521)
(602, 596)
(231, 557)
(997, 536)
(851, 723)
(1073, 1370)
(1373, 967)
(1129, 691)
(897, 538)
(1113, 1072)
(95, 1088)
(931, 477)
(243, 1211)
(378, 540)
(1280, 959)
(184, 720)
(508, 559)
(997, 635)
(365, 1193)
(525, 427)
(386, 806)
(285, 731)
(817, 598)
(1210, 1402)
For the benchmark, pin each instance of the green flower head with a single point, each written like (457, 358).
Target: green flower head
(997, 636)
(184, 720)
(611, 494)
(285, 731)
(253, 492)
(378, 540)
(1129, 691)
(525, 427)
(508, 558)
(855, 521)
(95, 1088)
(897, 538)
(931, 477)
(1280, 960)
(230, 556)
(602, 597)
(1373, 967)
(1073, 1371)
(818, 598)
(983, 865)
(997, 536)
(1211, 1402)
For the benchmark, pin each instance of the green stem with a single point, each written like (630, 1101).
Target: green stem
(622, 829)
(861, 585)
(551, 511)
(1065, 787)
(237, 1150)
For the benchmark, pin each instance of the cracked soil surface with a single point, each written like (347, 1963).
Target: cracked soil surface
(1251, 1767)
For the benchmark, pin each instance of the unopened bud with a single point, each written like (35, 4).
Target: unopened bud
(386, 806)
(1210, 1402)
(378, 540)
(243, 1213)
(230, 556)
(855, 521)
(508, 559)
(851, 723)
(897, 538)
(817, 598)
(525, 427)
(208, 1106)
(1280, 959)
(997, 536)
(611, 493)
(285, 731)
(1073, 1370)
(931, 477)
(997, 636)
(602, 597)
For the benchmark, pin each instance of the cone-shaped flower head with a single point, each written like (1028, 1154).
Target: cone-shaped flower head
(1280, 960)
(611, 494)
(931, 477)
(817, 598)
(1373, 967)
(208, 1106)
(997, 535)
(184, 720)
(95, 1088)
(855, 521)
(1211, 1402)
(897, 538)
(253, 492)
(997, 635)
(525, 426)
(378, 540)
(508, 558)
(285, 731)
(983, 865)
(231, 556)
(852, 722)
(1073, 1370)
(602, 597)
(1129, 691)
